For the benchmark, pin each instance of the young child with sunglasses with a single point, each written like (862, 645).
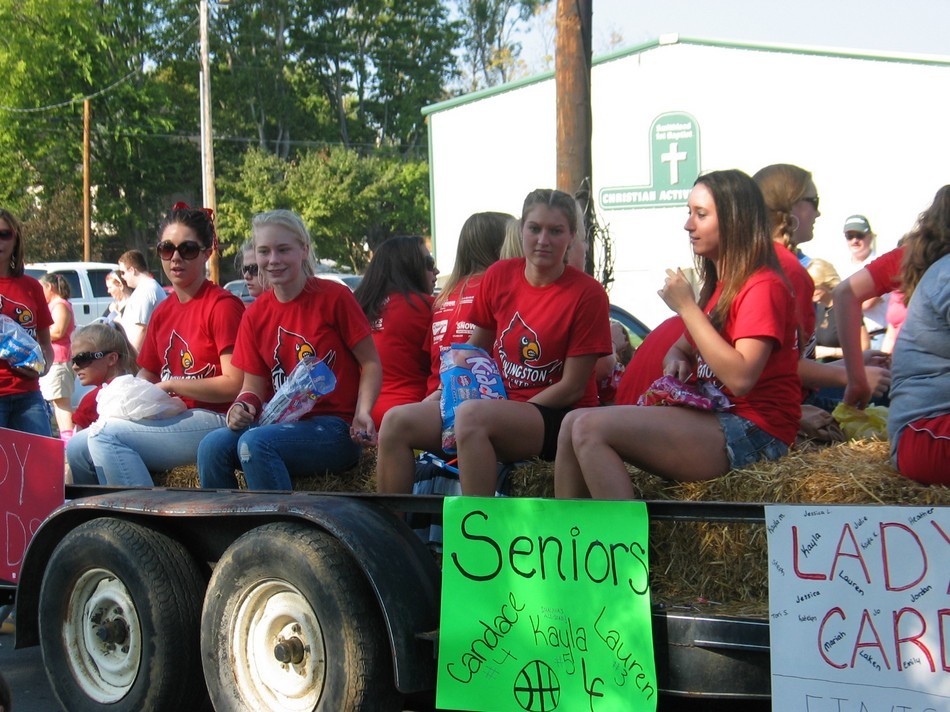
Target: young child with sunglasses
(22, 299)
(186, 352)
(100, 352)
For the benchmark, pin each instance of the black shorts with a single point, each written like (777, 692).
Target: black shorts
(552, 418)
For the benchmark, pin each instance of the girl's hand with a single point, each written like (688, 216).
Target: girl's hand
(363, 430)
(241, 415)
(676, 291)
(680, 369)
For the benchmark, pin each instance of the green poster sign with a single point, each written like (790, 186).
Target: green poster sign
(674, 166)
(545, 606)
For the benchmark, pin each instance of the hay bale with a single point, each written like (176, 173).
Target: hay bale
(692, 561)
(361, 478)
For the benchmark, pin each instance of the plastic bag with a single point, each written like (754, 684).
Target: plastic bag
(310, 379)
(669, 390)
(467, 373)
(18, 348)
(132, 398)
(857, 424)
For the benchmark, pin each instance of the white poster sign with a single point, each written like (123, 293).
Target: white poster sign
(859, 602)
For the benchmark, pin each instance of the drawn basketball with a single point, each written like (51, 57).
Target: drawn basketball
(537, 688)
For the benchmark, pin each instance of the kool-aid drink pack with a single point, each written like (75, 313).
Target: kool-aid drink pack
(467, 372)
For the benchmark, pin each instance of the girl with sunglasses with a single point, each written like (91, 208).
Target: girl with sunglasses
(394, 295)
(22, 299)
(247, 263)
(298, 315)
(100, 352)
(186, 352)
(740, 334)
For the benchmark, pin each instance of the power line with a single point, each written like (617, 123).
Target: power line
(101, 92)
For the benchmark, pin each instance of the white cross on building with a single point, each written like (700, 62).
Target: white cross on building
(673, 157)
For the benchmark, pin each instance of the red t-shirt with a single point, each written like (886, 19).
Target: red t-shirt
(22, 299)
(803, 289)
(186, 339)
(325, 321)
(886, 271)
(647, 363)
(451, 323)
(537, 328)
(764, 308)
(401, 335)
(87, 412)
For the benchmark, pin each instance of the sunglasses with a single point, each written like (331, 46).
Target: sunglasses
(430, 263)
(87, 357)
(814, 201)
(188, 250)
(7, 234)
(849, 236)
(250, 270)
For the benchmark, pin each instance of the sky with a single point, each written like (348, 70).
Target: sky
(903, 26)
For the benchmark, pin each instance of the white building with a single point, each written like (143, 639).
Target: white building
(870, 128)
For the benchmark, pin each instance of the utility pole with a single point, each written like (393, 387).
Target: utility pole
(86, 183)
(209, 199)
(572, 63)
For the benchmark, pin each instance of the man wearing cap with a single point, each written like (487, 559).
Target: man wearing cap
(857, 231)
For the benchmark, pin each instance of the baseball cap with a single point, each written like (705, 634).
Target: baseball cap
(857, 223)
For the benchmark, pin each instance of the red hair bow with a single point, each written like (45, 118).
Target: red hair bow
(207, 211)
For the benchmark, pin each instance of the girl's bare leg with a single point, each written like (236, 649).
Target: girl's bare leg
(568, 479)
(405, 428)
(489, 431)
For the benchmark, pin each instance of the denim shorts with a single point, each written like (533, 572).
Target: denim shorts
(746, 443)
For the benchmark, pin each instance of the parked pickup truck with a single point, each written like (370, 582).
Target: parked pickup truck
(87, 285)
(157, 599)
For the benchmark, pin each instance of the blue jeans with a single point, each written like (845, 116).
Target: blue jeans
(26, 412)
(270, 455)
(124, 452)
(746, 443)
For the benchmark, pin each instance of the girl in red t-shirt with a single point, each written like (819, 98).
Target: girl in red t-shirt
(546, 324)
(186, 353)
(22, 299)
(480, 242)
(394, 295)
(741, 334)
(297, 315)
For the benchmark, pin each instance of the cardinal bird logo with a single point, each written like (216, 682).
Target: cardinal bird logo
(180, 361)
(520, 352)
(291, 349)
(20, 313)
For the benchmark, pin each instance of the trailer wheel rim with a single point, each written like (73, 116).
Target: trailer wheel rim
(102, 635)
(273, 616)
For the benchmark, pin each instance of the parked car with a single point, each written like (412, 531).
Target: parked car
(636, 329)
(87, 285)
(239, 288)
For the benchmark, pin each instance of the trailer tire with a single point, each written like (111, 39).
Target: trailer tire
(290, 623)
(119, 618)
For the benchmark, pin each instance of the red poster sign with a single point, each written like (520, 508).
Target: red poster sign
(31, 486)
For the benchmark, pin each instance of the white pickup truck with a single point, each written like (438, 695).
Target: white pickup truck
(87, 285)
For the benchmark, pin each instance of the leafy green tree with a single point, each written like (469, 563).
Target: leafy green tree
(490, 47)
(340, 194)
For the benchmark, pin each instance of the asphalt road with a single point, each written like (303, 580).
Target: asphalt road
(31, 690)
(24, 672)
